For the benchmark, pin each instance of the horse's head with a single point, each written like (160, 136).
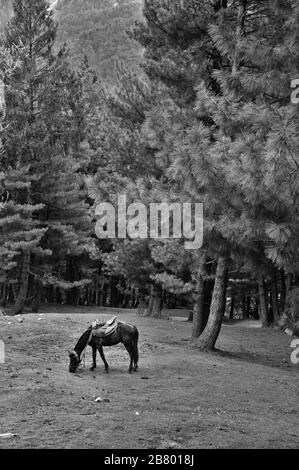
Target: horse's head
(74, 361)
(76, 353)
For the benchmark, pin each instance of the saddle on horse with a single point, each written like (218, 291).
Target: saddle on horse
(104, 329)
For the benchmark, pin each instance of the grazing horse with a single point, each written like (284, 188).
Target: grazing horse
(96, 339)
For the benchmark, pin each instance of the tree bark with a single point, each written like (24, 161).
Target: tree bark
(207, 340)
(3, 300)
(37, 297)
(114, 293)
(155, 302)
(248, 303)
(24, 280)
(255, 312)
(289, 283)
(244, 304)
(274, 298)
(283, 291)
(262, 302)
(218, 4)
(232, 308)
(198, 324)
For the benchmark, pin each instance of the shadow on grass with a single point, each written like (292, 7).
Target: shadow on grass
(253, 358)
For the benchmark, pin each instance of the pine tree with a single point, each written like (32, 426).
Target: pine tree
(20, 231)
(259, 120)
(210, 131)
(40, 131)
(127, 167)
(180, 55)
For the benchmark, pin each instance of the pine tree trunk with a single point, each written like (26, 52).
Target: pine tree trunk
(248, 303)
(207, 340)
(37, 297)
(3, 299)
(274, 297)
(150, 304)
(262, 302)
(198, 297)
(232, 308)
(289, 283)
(155, 302)
(13, 293)
(24, 280)
(283, 291)
(114, 293)
(255, 313)
(243, 304)
(97, 293)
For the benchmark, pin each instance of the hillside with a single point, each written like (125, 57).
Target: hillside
(5, 13)
(98, 30)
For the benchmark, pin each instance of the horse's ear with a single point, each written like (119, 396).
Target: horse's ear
(69, 352)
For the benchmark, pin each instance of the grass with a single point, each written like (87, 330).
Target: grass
(243, 396)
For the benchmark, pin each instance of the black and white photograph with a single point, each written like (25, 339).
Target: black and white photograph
(149, 228)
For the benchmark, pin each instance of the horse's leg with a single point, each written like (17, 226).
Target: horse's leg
(129, 348)
(94, 357)
(135, 350)
(100, 349)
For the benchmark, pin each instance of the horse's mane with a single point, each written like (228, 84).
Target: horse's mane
(82, 341)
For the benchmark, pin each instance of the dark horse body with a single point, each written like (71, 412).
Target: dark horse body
(124, 333)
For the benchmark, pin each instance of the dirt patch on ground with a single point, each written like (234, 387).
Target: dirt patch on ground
(244, 396)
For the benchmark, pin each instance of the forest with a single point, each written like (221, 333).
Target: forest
(159, 100)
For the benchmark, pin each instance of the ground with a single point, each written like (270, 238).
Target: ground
(244, 396)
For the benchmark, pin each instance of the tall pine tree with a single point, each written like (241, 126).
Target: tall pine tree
(41, 99)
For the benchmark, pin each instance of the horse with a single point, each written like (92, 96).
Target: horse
(123, 333)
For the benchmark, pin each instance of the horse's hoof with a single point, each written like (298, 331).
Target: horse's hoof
(92, 368)
(107, 371)
(130, 371)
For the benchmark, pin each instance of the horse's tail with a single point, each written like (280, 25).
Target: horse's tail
(135, 346)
